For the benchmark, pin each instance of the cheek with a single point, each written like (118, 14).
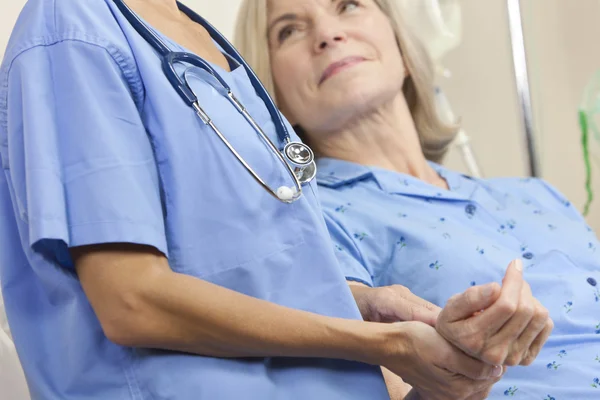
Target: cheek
(380, 34)
(290, 78)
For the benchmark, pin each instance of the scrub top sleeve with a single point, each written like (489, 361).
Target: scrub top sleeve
(347, 253)
(81, 165)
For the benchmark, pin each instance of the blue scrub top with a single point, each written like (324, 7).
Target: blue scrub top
(97, 147)
(390, 228)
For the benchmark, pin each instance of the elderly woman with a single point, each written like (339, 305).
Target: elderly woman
(359, 89)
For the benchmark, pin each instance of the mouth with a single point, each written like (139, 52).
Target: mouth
(339, 66)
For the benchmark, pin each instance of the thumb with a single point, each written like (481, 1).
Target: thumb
(473, 300)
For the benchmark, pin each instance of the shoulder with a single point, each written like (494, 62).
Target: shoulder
(537, 191)
(536, 188)
(44, 24)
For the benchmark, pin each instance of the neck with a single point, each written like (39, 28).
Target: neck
(169, 4)
(387, 139)
(164, 7)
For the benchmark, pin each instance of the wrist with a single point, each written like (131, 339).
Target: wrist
(383, 344)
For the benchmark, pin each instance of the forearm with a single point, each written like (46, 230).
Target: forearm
(179, 312)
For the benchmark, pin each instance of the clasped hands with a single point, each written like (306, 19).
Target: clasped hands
(459, 352)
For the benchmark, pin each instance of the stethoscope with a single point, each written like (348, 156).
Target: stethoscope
(298, 158)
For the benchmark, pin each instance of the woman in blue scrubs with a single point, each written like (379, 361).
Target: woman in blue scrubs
(357, 83)
(140, 260)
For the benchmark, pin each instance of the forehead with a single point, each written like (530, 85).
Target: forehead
(276, 7)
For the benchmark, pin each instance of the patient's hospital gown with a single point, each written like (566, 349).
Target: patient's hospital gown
(390, 228)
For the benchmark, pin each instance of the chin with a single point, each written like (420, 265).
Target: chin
(358, 99)
(358, 88)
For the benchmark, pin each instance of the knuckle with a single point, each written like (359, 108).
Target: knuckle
(495, 356)
(471, 296)
(474, 344)
(506, 306)
(403, 290)
(514, 359)
(452, 300)
(542, 313)
(472, 292)
(387, 291)
(526, 310)
(528, 360)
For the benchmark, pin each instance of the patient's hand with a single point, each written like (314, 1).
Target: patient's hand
(501, 326)
(434, 368)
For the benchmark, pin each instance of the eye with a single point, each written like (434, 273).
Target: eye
(286, 32)
(346, 6)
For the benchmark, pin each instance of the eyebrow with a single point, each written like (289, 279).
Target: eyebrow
(284, 17)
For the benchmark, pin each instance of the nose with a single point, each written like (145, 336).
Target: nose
(328, 33)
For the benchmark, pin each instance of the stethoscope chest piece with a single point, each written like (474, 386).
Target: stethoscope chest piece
(302, 160)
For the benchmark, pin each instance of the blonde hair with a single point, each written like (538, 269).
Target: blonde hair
(419, 90)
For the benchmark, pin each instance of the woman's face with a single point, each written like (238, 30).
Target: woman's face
(332, 60)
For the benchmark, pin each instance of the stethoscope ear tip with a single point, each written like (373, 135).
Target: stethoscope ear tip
(286, 193)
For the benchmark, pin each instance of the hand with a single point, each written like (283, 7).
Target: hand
(393, 304)
(511, 329)
(437, 370)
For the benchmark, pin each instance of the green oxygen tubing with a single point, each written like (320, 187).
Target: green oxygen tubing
(589, 110)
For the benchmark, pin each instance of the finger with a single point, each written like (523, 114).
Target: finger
(506, 340)
(421, 310)
(462, 364)
(538, 343)
(534, 329)
(494, 318)
(473, 300)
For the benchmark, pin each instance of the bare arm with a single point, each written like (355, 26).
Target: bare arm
(141, 302)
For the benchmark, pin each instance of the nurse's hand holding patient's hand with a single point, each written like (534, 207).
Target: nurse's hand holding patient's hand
(512, 328)
(434, 367)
